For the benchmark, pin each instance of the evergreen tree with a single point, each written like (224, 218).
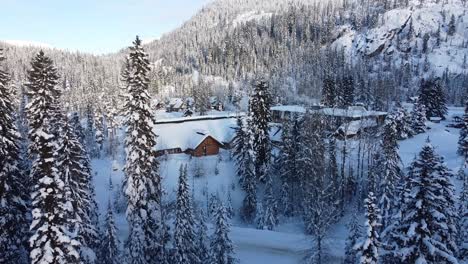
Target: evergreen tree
(241, 151)
(229, 207)
(426, 231)
(109, 248)
(319, 207)
(268, 219)
(222, 249)
(99, 132)
(463, 139)
(50, 241)
(354, 236)
(184, 232)
(289, 168)
(202, 239)
(259, 118)
(75, 122)
(368, 249)
(42, 93)
(402, 121)
(73, 167)
(390, 172)
(345, 94)
(432, 96)
(451, 26)
(328, 92)
(462, 226)
(142, 181)
(418, 118)
(249, 204)
(13, 190)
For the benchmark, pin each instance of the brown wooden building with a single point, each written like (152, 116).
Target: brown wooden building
(207, 147)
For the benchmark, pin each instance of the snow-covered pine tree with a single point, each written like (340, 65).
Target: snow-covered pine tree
(241, 151)
(259, 118)
(418, 118)
(432, 96)
(390, 171)
(463, 139)
(99, 131)
(268, 219)
(73, 167)
(288, 168)
(229, 206)
(42, 93)
(426, 232)
(75, 122)
(369, 247)
(13, 183)
(462, 223)
(90, 132)
(249, 204)
(50, 240)
(328, 92)
(221, 246)
(109, 251)
(320, 210)
(185, 251)
(402, 122)
(354, 236)
(345, 92)
(202, 243)
(142, 181)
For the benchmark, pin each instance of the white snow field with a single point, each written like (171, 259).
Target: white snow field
(286, 245)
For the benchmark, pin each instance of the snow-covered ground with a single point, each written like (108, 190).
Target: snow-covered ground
(287, 244)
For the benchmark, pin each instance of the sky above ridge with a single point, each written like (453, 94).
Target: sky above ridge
(95, 26)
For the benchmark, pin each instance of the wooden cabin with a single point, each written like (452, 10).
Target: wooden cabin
(207, 147)
(195, 136)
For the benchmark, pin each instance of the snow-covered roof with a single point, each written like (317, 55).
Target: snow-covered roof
(353, 127)
(289, 108)
(188, 135)
(352, 111)
(176, 102)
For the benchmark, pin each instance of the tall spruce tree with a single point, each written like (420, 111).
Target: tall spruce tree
(462, 226)
(142, 181)
(354, 236)
(463, 139)
(109, 251)
(203, 251)
(242, 151)
(243, 156)
(289, 168)
(268, 219)
(185, 251)
(426, 231)
(390, 172)
(50, 240)
(432, 96)
(75, 122)
(222, 249)
(418, 118)
(259, 118)
(369, 247)
(13, 190)
(328, 92)
(73, 166)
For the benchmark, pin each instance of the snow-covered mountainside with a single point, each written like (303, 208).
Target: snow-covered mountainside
(433, 35)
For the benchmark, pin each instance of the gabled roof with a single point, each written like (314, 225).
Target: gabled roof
(352, 112)
(188, 135)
